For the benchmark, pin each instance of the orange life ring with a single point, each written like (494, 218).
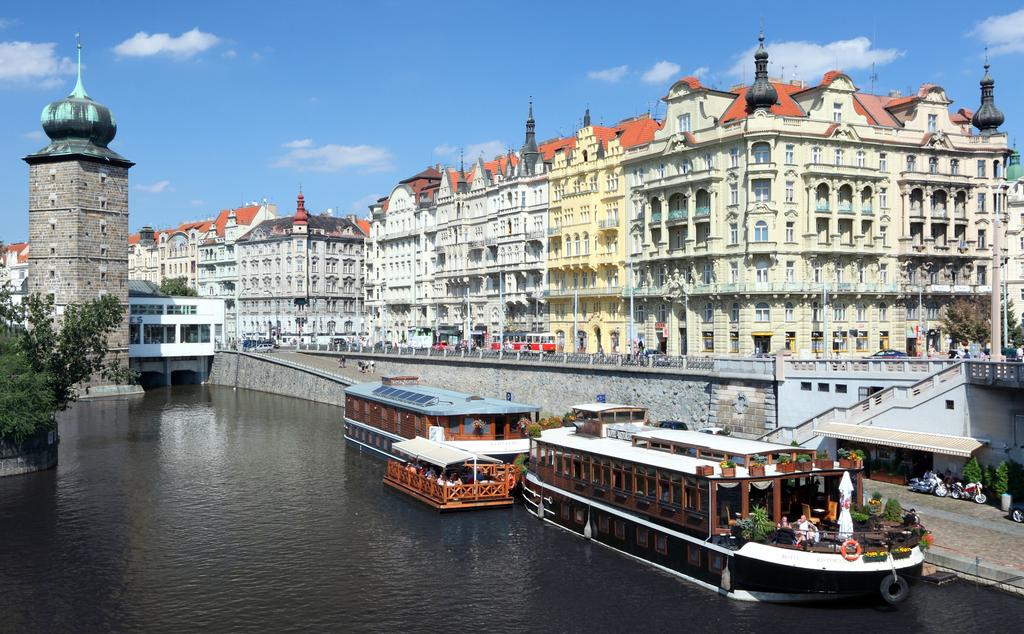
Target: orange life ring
(511, 480)
(857, 550)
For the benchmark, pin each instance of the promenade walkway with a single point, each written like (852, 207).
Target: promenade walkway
(328, 365)
(973, 539)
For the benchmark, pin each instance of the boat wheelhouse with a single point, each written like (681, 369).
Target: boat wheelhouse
(450, 479)
(398, 408)
(687, 502)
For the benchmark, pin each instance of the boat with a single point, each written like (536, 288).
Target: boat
(687, 502)
(399, 408)
(450, 479)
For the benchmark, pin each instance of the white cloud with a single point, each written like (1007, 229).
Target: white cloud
(360, 206)
(810, 60)
(188, 44)
(1002, 33)
(446, 150)
(700, 71)
(304, 156)
(660, 72)
(35, 135)
(612, 74)
(156, 188)
(230, 53)
(34, 62)
(486, 150)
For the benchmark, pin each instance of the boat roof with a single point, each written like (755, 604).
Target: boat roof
(437, 453)
(435, 401)
(623, 450)
(715, 442)
(492, 447)
(596, 408)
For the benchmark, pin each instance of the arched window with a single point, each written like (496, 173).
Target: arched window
(821, 197)
(703, 202)
(762, 153)
(761, 231)
(586, 243)
(677, 205)
(576, 237)
(865, 199)
(709, 312)
(846, 198)
(762, 313)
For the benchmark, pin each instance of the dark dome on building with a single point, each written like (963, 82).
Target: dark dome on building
(988, 118)
(762, 94)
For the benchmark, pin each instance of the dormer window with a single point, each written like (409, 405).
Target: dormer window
(837, 112)
(683, 122)
(933, 122)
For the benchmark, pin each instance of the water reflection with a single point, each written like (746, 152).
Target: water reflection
(219, 510)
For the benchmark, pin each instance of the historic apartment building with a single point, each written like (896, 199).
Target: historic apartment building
(1013, 272)
(78, 209)
(217, 258)
(817, 218)
(300, 277)
(588, 264)
(156, 255)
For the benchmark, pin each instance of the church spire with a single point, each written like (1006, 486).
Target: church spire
(79, 91)
(529, 152)
(761, 95)
(586, 118)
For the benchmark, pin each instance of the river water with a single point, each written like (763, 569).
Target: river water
(206, 509)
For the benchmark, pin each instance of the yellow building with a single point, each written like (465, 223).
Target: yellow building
(587, 229)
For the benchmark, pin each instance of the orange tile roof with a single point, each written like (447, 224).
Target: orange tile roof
(133, 239)
(692, 82)
(785, 107)
(243, 216)
(364, 225)
(638, 131)
(548, 148)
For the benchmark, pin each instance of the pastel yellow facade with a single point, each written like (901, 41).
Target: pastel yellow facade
(587, 229)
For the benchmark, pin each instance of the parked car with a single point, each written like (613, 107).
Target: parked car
(673, 424)
(1017, 512)
(889, 354)
(711, 430)
(440, 345)
(264, 347)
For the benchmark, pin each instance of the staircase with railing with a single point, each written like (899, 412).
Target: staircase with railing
(897, 396)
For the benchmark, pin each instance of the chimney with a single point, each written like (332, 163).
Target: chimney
(895, 92)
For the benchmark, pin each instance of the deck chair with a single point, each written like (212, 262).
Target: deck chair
(807, 511)
(730, 520)
(833, 508)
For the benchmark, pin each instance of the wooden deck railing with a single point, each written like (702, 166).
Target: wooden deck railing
(497, 489)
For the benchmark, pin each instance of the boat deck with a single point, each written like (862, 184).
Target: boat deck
(454, 497)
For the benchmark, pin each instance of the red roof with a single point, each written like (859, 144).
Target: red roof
(364, 225)
(638, 131)
(133, 239)
(21, 248)
(243, 216)
(785, 107)
(548, 148)
(692, 82)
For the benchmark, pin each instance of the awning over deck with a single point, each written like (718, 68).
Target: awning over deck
(962, 446)
(437, 453)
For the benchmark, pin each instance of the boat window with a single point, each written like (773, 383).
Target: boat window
(715, 562)
(729, 504)
(565, 510)
(606, 473)
(642, 536)
(691, 499)
(640, 482)
(616, 475)
(602, 523)
(577, 468)
(620, 529)
(663, 488)
(661, 543)
(661, 446)
(693, 555)
(580, 514)
(595, 470)
(676, 486)
(761, 494)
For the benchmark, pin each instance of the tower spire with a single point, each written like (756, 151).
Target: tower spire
(761, 95)
(988, 118)
(79, 91)
(529, 152)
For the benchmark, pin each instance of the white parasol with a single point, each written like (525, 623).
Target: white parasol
(845, 499)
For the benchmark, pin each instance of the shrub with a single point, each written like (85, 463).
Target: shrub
(785, 458)
(803, 457)
(759, 459)
(822, 455)
(534, 430)
(876, 495)
(520, 463)
(860, 514)
(859, 453)
(972, 471)
(1015, 479)
(727, 464)
(1001, 479)
(843, 454)
(893, 510)
(727, 431)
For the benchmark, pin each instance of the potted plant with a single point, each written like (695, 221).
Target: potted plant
(728, 468)
(823, 461)
(875, 555)
(803, 462)
(875, 503)
(756, 466)
(705, 470)
(859, 516)
(785, 464)
(478, 426)
(900, 553)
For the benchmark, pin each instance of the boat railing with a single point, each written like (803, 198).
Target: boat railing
(881, 540)
(497, 488)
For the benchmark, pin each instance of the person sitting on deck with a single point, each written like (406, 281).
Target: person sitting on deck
(806, 531)
(430, 474)
(440, 479)
(784, 533)
(453, 480)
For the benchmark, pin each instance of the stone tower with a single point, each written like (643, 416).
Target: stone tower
(78, 208)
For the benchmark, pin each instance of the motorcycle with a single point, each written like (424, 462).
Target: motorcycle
(969, 491)
(930, 482)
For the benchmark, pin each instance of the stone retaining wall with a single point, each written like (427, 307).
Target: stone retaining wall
(747, 406)
(36, 453)
(264, 373)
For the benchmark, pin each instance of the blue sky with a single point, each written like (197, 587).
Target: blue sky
(224, 102)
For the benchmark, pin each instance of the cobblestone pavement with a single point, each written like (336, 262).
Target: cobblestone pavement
(329, 365)
(972, 531)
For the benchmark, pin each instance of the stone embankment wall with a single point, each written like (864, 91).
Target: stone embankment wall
(746, 406)
(264, 373)
(36, 453)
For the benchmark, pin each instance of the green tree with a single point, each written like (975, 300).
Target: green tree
(966, 319)
(972, 471)
(177, 286)
(76, 350)
(1012, 326)
(1001, 479)
(26, 401)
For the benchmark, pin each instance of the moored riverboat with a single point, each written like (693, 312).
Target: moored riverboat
(713, 510)
(399, 408)
(450, 479)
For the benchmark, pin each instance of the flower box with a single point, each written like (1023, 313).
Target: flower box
(705, 470)
(875, 556)
(846, 463)
(825, 463)
(786, 467)
(756, 470)
(728, 472)
(805, 466)
(901, 553)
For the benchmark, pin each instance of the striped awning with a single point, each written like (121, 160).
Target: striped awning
(962, 446)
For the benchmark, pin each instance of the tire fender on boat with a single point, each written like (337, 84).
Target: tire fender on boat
(894, 589)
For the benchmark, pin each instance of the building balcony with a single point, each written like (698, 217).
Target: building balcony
(537, 234)
(656, 218)
(939, 211)
(866, 210)
(554, 232)
(821, 206)
(609, 223)
(702, 211)
(603, 291)
(845, 207)
(677, 216)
